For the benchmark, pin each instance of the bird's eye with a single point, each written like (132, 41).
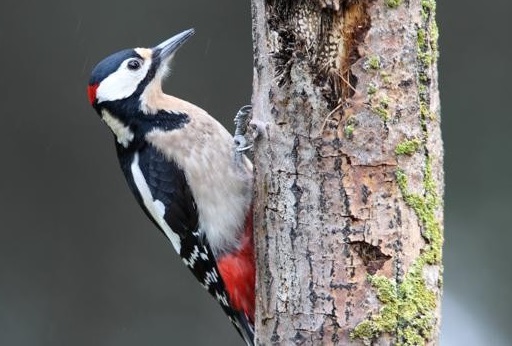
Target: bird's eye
(133, 64)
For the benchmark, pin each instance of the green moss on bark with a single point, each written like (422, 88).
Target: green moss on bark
(372, 89)
(409, 306)
(372, 63)
(393, 3)
(348, 130)
(408, 147)
(382, 109)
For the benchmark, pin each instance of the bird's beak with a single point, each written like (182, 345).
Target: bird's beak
(166, 49)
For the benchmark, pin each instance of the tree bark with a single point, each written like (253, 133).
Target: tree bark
(349, 180)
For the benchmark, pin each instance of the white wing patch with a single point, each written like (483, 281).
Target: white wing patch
(155, 207)
(123, 133)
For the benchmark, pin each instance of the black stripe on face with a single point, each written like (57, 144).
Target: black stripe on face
(156, 61)
(131, 104)
(110, 65)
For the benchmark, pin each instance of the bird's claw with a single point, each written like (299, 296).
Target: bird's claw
(242, 119)
(241, 143)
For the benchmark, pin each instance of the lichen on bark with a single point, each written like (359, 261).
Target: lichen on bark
(348, 217)
(410, 305)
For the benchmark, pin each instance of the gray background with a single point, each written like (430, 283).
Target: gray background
(79, 262)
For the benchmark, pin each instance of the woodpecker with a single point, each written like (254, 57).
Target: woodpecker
(185, 171)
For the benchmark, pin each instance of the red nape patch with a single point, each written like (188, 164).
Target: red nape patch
(91, 92)
(238, 272)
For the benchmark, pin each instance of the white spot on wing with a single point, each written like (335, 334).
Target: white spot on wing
(222, 299)
(204, 255)
(155, 207)
(123, 133)
(210, 277)
(191, 261)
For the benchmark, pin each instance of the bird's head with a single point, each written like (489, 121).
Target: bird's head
(120, 81)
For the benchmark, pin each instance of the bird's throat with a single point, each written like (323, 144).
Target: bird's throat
(123, 133)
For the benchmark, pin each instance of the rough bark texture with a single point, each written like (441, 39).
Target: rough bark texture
(348, 212)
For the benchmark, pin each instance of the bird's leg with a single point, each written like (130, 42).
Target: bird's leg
(242, 119)
(247, 130)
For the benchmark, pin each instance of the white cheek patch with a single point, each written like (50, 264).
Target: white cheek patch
(155, 207)
(123, 133)
(121, 83)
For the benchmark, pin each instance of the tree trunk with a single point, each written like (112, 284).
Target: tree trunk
(349, 179)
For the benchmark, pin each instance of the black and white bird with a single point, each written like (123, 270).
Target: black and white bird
(185, 171)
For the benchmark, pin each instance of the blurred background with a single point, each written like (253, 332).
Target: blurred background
(79, 262)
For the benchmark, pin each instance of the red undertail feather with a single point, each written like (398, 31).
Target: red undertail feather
(238, 272)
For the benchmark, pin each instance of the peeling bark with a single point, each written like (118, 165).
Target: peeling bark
(349, 180)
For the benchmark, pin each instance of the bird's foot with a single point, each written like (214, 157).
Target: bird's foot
(242, 119)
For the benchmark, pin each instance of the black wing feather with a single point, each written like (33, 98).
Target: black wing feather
(168, 184)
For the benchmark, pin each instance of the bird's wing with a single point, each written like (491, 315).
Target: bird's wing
(170, 192)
